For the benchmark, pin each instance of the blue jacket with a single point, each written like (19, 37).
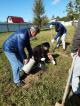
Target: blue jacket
(17, 42)
(59, 28)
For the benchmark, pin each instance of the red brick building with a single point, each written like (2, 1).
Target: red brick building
(14, 19)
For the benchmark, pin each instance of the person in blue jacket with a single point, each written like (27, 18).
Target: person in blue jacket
(13, 48)
(61, 33)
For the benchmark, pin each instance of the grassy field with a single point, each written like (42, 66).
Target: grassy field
(45, 88)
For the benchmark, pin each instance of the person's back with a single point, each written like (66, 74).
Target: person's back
(11, 44)
(59, 27)
(41, 52)
(37, 52)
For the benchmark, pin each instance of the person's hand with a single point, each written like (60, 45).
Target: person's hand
(73, 54)
(51, 26)
(25, 61)
(49, 53)
(50, 56)
(32, 57)
(79, 51)
(43, 59)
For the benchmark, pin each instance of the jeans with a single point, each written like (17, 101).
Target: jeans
(75, 81)
(16, 65)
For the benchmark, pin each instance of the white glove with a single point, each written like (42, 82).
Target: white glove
(53, 62)
(42, 59)
(52, 41)
(51, 26)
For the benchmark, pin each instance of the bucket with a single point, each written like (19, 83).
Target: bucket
(27, 67)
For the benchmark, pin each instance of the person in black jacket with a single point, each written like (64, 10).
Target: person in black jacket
(41, 53)
(41, 56)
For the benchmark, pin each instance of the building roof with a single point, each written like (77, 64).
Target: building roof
(16, 19)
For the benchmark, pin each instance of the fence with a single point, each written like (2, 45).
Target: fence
(11, 27)
(70, 23)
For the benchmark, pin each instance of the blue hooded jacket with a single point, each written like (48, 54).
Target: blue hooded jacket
(59, 28)
(17, 42)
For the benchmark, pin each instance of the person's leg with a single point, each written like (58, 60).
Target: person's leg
(58, 42)
(20, 63)
(15, 66)
(63, 40)
(76, 76)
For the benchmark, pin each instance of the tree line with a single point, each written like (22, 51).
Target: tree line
(40, 19)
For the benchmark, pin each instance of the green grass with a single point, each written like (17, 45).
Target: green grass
(50, 86)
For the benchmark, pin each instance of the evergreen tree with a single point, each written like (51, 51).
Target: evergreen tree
(38, 12)
(45, 20)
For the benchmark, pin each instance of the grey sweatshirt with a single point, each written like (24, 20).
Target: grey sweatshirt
(76, 39)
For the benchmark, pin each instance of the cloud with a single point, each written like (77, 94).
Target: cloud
(55, 1)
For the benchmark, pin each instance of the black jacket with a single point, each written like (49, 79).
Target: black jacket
(39, 53)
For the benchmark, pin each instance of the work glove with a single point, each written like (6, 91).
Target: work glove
(25, 61)
(43, 59)
(51, 26)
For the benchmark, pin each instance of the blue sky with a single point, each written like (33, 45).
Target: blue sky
(23, 8)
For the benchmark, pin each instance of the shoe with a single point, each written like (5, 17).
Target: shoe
(20, 84)
(23, 75)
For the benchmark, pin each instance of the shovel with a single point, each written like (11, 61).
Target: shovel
(52, 49)
(50, 40)
(67, 85)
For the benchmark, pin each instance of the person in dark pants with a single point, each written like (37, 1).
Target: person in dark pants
(61, 33)
(13, 48)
